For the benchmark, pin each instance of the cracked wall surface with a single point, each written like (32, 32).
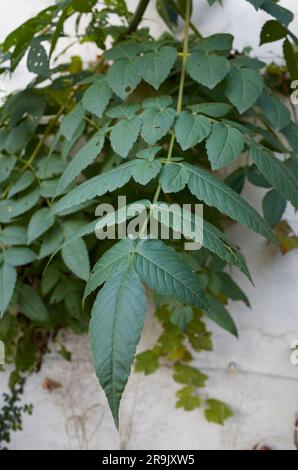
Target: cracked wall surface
(253, 375)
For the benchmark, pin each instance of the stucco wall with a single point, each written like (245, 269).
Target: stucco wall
(253, 374)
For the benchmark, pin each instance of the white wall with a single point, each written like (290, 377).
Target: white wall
(261, 387)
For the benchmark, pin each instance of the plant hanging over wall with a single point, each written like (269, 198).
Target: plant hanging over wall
(152, 120)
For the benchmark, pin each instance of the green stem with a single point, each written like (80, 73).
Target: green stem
(136, 20)
(181, 13)
(179, 102)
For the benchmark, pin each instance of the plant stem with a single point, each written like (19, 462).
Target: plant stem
(141, 8)
(181, 13)
(179, 103)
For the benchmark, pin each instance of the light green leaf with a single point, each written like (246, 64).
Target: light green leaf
(75, 256)
(96, 98)
(275, 111)
(155, 66)
(7, 164)
(96, 186)
(217, 411)
(243, 87)
(40, 223)
(276, 173)
(161, 268)
(214, 193)
(146, 170)
(8, 277)
(38, 61)
(19, 256)
(123, 77)
(191, 129)
(224, 145)
(124, 134)
(274, 206)
(117, 321)
(31, 304)
(112, 261)
(187, 399)
(207, 69)
(71, 122)
(82, 159)
(185, 374)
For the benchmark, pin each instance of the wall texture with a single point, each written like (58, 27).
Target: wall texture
(253, 374)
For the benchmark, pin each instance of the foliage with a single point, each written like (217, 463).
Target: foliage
(11, 413)
(154, 120)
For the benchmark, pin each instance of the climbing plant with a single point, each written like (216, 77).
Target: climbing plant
(155, 120)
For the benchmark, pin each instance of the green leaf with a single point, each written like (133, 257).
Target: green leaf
(75, 256)
(22, 183)
(290, 58)
(191, 129)
(243, 87)
(181, 317)
(236, 179)
(215, 110)
(51, 242)
(124, 50)
(13, 235)
(278, 175)
(217, 411)
(83, 6)
(96, 98)
(214, 193)
(9, 208)
(156, 123)
(112, 261)
(161, 268)
(47, 168)
(173, 178)
(291, 134)
(19, 256)
(123, 77)
(282, 14)
(124, 134)
(40, 222)
(187, 399)
(82, 159)
(207, 69)
(96, 186)
(272, 31)
(31, 304)
(38, 61)
(220, 315)
(224, 145)
(213, 239)
(275, 111)
(49, 279)
(274, 206)
(8, 277)
(7, 164)
(155, 66)
(117, 321)
(147, 362)
(184, 374)
(231, 289)
(71, 122)
(145, 171)
(215, 42)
